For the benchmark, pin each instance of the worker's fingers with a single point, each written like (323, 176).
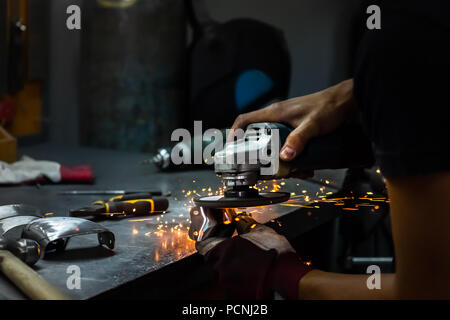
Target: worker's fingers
(271, 113)
(266, 238)
(203, 247)
(265, 114)
(297, 139)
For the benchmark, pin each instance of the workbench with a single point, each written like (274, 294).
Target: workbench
(163, 263)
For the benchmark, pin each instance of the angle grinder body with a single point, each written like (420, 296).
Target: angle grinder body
(254, 156)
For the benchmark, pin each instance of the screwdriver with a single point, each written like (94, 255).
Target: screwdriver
(112, 192)
(127, 208)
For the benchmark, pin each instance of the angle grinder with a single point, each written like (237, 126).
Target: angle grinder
(217, 216)
(251, 158)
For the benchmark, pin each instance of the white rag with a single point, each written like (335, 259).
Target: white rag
(27, 169)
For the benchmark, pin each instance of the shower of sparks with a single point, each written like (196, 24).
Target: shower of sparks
(171, 231)
(139, 220)
(299, 198)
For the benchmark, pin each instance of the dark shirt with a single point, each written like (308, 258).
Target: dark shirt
(402, 85)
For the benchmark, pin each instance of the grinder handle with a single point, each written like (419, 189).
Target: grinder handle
(346, 147)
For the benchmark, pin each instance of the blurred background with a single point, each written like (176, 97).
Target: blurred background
(139, 69)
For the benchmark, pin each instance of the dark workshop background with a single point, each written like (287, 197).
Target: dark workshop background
(122, 82)
(318, 33)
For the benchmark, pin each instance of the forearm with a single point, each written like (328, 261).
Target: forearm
(320, 285)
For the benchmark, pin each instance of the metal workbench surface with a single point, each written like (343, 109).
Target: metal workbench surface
(143, 245)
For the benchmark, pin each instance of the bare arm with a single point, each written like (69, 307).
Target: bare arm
(420, 208)
(420, 213)
(320, 285)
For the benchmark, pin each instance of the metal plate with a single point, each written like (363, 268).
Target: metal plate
(263, 199)
(14, 210)
(48, 230)
(12, 227)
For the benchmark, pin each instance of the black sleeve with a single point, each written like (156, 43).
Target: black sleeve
(402, 85)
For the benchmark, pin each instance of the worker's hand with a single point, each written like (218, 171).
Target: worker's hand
(256, 264)
(262, 236)
(310, 116)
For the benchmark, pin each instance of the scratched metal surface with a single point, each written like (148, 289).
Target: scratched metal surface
(141, 247)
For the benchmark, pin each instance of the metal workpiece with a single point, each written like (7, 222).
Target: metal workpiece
(219, 223)
(54, 233)
(13, 210)
(25, 249)
(210, 222)
(14, 217)
(12, 227)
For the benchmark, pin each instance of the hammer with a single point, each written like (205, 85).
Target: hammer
(14, 257)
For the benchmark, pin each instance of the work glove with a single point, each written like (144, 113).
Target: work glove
(255, 265)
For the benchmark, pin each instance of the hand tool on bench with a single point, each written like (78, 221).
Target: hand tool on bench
(111, 192)
(125, 197)
(163, 158)
(13, 256)
(123, 208)
(346, 147)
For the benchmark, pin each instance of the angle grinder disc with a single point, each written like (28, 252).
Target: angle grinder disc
(263, 199)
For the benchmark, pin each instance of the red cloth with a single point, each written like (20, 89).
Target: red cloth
(78, 174)
(7, 111)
